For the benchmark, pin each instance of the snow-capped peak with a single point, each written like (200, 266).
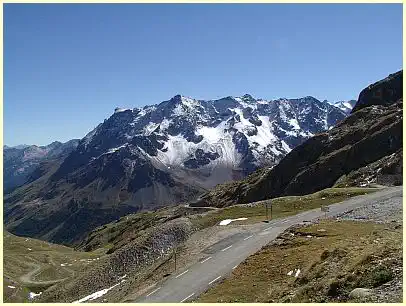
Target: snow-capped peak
(202, 135)
(345, 106)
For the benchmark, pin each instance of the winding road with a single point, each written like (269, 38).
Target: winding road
(28, 277)
(224, 256)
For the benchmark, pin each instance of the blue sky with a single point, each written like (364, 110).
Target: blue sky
(66, 67)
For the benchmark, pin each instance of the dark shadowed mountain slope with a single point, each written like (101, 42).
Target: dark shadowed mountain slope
(367, 145)
(383, 92)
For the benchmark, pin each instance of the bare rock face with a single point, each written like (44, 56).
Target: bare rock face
(384, 92)
(385, 171)
(369, 134)
(359, 293)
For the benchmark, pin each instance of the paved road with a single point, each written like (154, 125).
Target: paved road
(225, 255)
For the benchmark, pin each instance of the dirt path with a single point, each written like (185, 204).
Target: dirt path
(28, 277)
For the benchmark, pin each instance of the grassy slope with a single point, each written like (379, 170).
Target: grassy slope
(282, 207)
(334, 264)
(34, 265)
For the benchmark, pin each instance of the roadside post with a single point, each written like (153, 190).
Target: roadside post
(266, 209)
(267, 206)
(326, 209)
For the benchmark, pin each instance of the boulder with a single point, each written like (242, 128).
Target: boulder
(359, 293)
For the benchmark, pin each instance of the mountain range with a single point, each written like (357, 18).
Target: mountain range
(22, 160)
(159, 155)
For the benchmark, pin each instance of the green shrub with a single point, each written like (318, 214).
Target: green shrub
(381, 275)
(378, 276)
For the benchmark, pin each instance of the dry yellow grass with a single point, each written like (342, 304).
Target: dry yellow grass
(332, 263)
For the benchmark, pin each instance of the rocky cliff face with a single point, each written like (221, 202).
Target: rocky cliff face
(371, 134)
(383, 92)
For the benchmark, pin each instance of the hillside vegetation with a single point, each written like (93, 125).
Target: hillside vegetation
(32, 265)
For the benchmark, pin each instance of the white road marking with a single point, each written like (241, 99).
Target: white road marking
(187, 297)
(226, 248)
(276, 223)
(235, 267)
(205, 259)
(182, 273)
(214, 280)
(248, 237)
(154, 291)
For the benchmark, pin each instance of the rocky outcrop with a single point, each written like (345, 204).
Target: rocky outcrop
(385, 171)
(383, 92)
(368, 135)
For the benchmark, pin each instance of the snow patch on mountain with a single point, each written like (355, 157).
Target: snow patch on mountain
(264, 134)
(177, 149)
(212, 134)
(150, 127)
(293, 122)
(345, 106)
(112, 150)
